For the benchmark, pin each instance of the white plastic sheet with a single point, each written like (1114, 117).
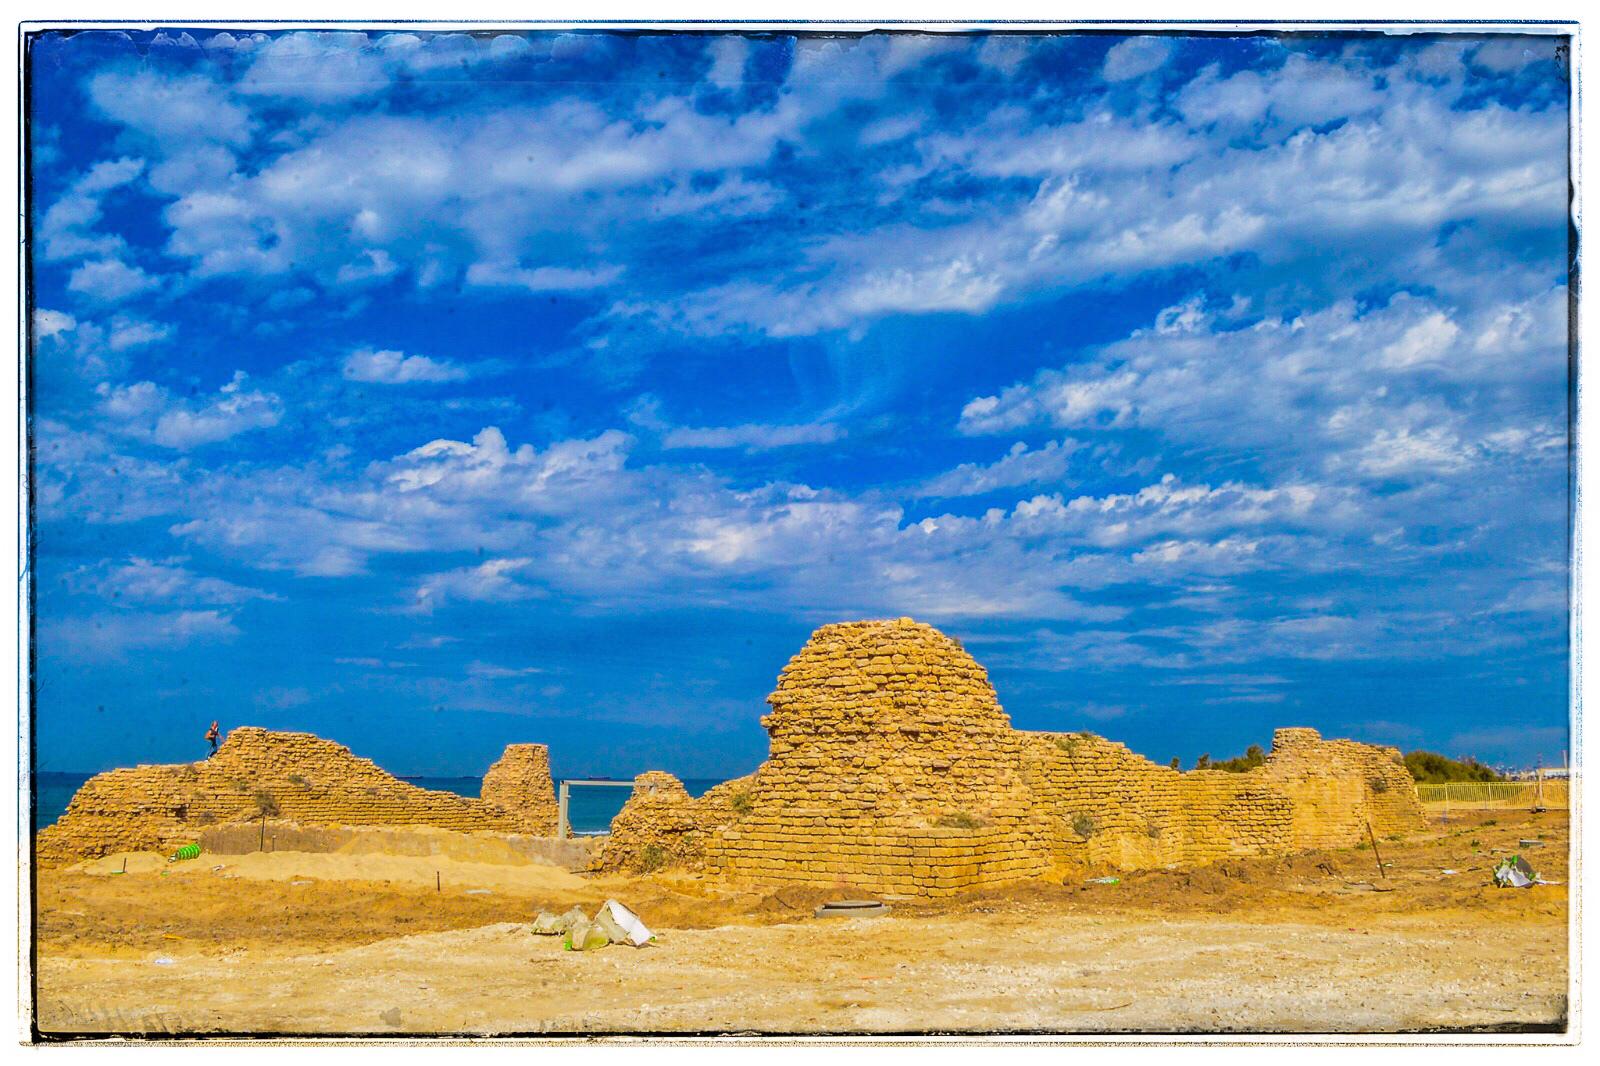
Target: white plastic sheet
(637, 934)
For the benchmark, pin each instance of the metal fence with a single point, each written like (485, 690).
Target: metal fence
(1496, 795)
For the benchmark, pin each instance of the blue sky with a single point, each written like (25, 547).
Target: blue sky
(433, 393)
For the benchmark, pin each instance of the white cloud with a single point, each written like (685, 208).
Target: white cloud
(147, 411)
(752, 437)
(728, 56)
(110, 280)
(543, 278)
(1375, 375)
(397, 368)
(1135, 57)
(1019, 466)
(113, 636)
(52, 323)
(173, 109)
(162, 583)
(69, 229)
(494, 581)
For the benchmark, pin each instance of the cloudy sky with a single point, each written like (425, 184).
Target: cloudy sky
(433, 393)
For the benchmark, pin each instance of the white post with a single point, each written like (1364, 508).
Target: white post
(561, 816)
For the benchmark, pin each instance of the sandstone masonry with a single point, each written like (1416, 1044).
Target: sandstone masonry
(894, 770)
(294, 777)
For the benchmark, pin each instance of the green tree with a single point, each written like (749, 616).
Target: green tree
(1430, 767)
(1253, 757)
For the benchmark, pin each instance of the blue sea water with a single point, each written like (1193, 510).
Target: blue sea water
(590, 810)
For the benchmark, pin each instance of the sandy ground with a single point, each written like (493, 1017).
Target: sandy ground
(294, 943)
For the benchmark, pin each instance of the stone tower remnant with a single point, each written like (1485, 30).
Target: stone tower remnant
(893, 769)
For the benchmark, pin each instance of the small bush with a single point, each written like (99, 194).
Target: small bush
(1491, 821)
(1084, 825)
(1432, 768)
(266, 803)
(1475, 844)
(1068, 744)
(296, 779)
(652, 858)
(741, 802)
(959, 820)
(1154, 828)
(1378, 784)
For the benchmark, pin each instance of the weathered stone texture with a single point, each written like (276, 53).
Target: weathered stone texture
(519, 783)
(894, 770)
(298, 777)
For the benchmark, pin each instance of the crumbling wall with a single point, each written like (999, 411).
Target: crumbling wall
(1337, 787)
(1106, 805)
(894, 770)
(519, 783)
(297, 777)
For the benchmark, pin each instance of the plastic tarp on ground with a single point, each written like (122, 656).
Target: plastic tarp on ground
(633, 930)
(1514, 873)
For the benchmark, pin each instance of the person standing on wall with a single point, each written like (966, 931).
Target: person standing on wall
(212, 734)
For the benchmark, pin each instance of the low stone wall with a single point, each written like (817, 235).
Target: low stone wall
(499, 848)
(297, 777)
(894, 770)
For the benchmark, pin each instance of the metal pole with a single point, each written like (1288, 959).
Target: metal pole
(561, 815)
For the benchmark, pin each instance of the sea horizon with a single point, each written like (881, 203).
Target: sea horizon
(590, 810)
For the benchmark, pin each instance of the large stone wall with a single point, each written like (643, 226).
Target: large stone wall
(297, 777)
(894, 770)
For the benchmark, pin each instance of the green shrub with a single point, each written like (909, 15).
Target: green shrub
(1253, 757)
(1378, 784)
(1432, 768)
(266, 803)
(1068, 744)
(652, 858)
(1084, 825)
(741, 802)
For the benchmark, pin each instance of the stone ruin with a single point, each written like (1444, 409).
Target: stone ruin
(289, 777)
(893, 770)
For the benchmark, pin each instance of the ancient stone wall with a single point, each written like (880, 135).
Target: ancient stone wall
(296, 777)
(894, 770)
(519, 783)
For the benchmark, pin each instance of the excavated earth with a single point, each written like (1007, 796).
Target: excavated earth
(297, 943)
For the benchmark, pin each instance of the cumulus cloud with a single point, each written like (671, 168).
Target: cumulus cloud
(397, 368)
(150, 412)
(110, 280)
(494, 581)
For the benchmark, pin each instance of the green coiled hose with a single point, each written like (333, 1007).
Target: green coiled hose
(188, 851)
